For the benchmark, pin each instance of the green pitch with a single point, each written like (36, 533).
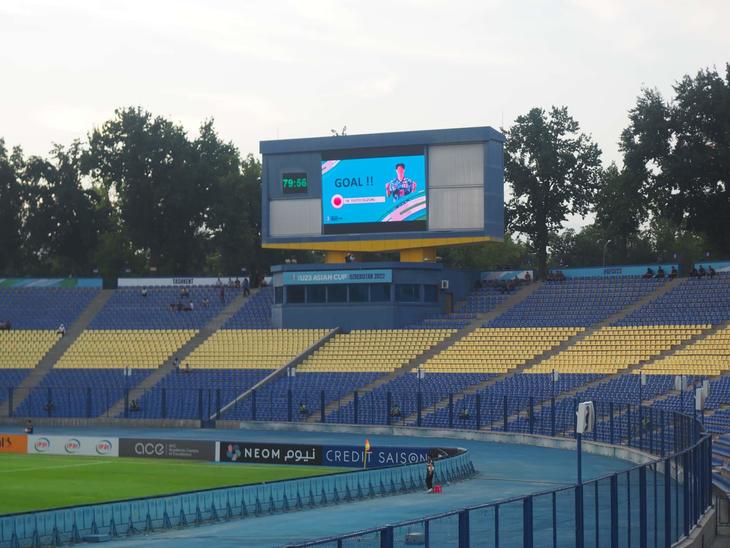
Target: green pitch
(38, 482)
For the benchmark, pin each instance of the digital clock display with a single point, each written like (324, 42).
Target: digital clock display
(294, 183)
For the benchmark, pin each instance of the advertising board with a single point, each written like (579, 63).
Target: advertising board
(167, 449)
(338, 277)
(13, 443)
(378, 457)
(73, 445)
(270, 453)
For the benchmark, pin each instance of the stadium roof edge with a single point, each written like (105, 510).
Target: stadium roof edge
(399, 138)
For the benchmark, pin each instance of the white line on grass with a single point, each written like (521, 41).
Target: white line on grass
(36, 468)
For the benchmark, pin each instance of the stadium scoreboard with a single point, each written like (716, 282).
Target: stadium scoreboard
(383, 192)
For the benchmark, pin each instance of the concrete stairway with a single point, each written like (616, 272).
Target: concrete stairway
(182, 353)
(73, 332)
(517, 297)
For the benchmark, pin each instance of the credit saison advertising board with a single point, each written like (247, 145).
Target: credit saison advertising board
(167, 449)
(378, 457)
(270, 453)
(73, 445)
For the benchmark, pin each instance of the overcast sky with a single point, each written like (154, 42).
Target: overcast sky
(268, 69)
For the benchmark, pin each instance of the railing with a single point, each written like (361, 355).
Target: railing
(145, 515)
(650, 505)
(654, 504)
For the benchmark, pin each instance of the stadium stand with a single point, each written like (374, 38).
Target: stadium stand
(23, 349)
(497, 350)
(43, 308)
(257, 312)
(131, 348)
(225, 365)
(252, 349)
(346, 362)
(577, 302)
(706, 357)
(613, 349)
(128, 309)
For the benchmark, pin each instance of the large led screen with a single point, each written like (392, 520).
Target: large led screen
(384, 194)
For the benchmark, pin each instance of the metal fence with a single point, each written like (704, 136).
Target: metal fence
(146, 515)
(651, 505)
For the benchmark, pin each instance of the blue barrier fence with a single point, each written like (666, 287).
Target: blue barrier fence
(125, 518)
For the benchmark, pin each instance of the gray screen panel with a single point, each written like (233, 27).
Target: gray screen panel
(456, 209)
(456, 166)
(295, 217)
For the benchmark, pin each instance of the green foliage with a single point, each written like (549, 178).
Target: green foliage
(11, 201)
(507, 255)
(680, 150)
(554, 170)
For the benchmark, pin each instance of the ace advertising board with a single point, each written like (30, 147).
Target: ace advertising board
(167, 449)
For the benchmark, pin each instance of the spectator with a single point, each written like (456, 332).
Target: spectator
(144, 292)
(701, 272)
(303, 409)
(134, 406)
(246, 287)
(28, 429)
(430, 471)
(237, 283)
(187, 367)
(176, 363)
(649, 273)
(673, 273)
(61, 330)
(395, 410)
(693, 273)
(191, 306)
(5, 325)
(528, 278)
(48, 407)
(222, 294)
(184, 292)
(711, 271)
(464, 414)
(660, 273)
(206, 302)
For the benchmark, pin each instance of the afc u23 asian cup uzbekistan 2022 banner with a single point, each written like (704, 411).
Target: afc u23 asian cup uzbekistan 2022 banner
(367, 193)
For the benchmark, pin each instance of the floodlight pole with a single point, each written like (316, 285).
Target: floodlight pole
(605, 246)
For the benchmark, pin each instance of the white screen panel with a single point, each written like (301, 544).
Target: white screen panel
(456, 208)
(456, 166)
(295, 217)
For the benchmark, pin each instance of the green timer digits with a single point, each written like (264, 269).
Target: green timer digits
(293, 183)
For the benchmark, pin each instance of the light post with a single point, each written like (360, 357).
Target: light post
(605, 247)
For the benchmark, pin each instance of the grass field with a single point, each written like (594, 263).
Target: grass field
(37, 482)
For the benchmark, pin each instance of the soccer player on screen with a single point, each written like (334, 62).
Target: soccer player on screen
(401, 185)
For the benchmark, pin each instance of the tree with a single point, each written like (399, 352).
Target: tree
(61, 222)
(620, 208)
(159, 186)
(680, 150)
(553, 169)
(10, 209)
(507, 255)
